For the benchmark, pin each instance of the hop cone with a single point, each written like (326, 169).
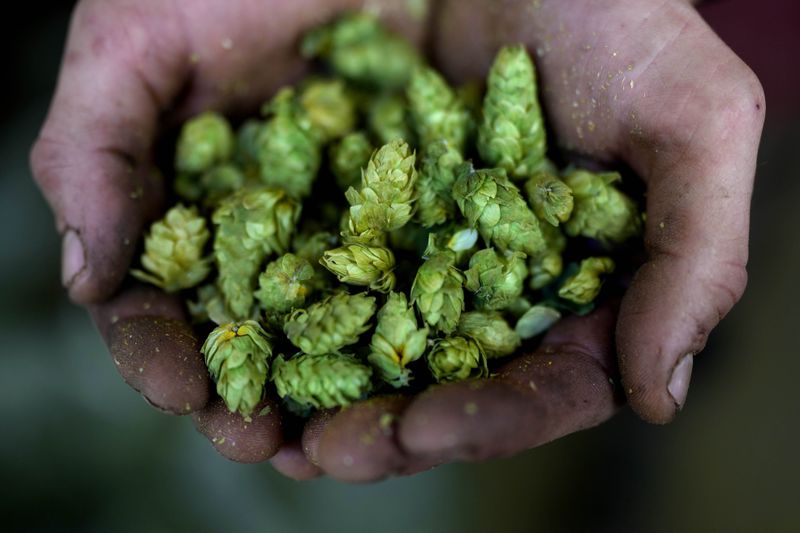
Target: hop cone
(435, 204)
(237, 355)
(601, 211)
(493, 205)
(173, 251)
(511, 135)
(250, 225)
(536, 320)
(284, 284)
(329, 109)
(584, 286)
(209, 306)
(246, 155)
(550, 198)
(387, 119)
(321, 381)
(436, 111)
(348, 157)
(361, 264)
(437, 292)
(397, 340)
(495, 279)
(288, 153)
(205, 140)
(545, 267)
(329, 325)
(491, 331)
(456, 238)
(456, 358)
(359, 49)
(385, 200)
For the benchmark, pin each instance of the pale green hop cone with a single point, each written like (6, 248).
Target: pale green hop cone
(385, 201)
(321, 381)
(387, 118)
(493, 205)
(210, 187)
(585, 285)
(397, 341)
(250, 225)
(209, 306)
(491, 331)
(437, 175)
(545, 267)
(348, 157)
(284, 285)
(363, 265)
(437, 113)
(359, 49)
(438, 291)
(457, 358)
(536, 320)
(288, 153)
(601, 211)
(330, 324)
(328, 108)
(550, 198)
(173, 251)
(511, 135)
(495, 279)
(237, 356)
(204, 141)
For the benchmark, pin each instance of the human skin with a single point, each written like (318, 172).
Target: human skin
(643, 83)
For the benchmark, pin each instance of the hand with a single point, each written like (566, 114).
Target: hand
(646, 84)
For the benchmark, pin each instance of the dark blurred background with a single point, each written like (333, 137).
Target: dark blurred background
(80, 451)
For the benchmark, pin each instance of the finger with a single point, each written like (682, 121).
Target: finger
(92, 157)
(563, 387)
(293, 463)
(359, 444)
(694, 140)
(154, 348)
(246, 440)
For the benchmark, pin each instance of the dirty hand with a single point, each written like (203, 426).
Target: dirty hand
(647, 84)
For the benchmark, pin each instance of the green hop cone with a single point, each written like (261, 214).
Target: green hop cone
(361, 264)
(237, 355)
(456, 238)
(511, 135)
(385, 201)
(209, 306)
(329, 109)
(387, 118)
(545, 267)
(173, 251)
(246, 155)
(288, 153)
(397, 340)
(284, 284)
(321, 381)
(536, 320)
(348, 157)
(491, 331)
(438, 291)
(585, 285)
(493, 205)
(437, 175)
(457, 358)
(550, 198)
(601, 211)
(330, 324)
(359, 49)
(204, 141)
(436, 111)
(496, 279)
(250, 225)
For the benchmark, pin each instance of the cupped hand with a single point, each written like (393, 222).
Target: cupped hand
(647, 84)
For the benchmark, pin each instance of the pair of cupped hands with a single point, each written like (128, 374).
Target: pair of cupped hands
(646, 84)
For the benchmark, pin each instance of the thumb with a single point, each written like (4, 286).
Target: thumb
(696, 148)
(92, 159)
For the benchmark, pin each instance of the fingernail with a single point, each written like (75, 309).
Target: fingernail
(73, 257)
(679, 381)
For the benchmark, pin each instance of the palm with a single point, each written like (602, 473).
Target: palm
(648, 85)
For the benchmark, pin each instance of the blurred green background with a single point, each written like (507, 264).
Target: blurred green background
(80, 451)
